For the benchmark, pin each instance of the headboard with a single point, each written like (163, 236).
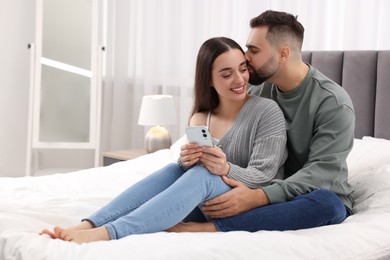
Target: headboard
(365, 75)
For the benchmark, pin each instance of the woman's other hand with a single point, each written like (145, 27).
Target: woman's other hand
(190, 154)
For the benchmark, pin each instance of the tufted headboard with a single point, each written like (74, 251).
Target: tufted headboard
(365, 75)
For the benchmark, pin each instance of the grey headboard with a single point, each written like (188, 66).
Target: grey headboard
(365, 75)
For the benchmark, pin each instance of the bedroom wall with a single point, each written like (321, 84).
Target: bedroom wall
(358, 22)
(17, 21)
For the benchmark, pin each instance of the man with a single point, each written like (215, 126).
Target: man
(320, 125)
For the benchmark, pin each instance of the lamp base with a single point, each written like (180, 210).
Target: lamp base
(157, 138)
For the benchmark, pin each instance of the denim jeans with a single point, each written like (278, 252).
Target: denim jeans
(158, 201)
(317, 208)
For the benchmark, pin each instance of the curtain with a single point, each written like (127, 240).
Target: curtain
(151, 48)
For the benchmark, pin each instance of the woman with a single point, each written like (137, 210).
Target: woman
(250, 135)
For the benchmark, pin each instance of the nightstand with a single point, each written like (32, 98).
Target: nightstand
(123, 155)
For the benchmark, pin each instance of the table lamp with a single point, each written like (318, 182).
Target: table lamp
(157, 110)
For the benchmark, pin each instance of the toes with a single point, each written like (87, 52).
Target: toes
(60, 232)
(49, 233)
(57, 230)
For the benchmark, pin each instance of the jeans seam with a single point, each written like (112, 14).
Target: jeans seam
(218, 225)
(115, 215)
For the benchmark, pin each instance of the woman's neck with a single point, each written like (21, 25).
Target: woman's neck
(223, 116)
(228, 109)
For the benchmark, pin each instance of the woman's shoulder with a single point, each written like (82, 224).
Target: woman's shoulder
(263, 102)
(261, 107)
(199, 119)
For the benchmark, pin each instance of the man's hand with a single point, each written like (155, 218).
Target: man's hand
(240, 199)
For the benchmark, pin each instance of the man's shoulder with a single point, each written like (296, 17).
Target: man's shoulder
(329, 88)
(262, 90)
(254, 90)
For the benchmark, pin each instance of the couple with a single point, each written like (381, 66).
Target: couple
(246, 182)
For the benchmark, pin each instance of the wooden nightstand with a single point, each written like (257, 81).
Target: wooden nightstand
(123, 155)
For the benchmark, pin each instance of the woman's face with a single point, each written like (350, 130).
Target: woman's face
(230, 75)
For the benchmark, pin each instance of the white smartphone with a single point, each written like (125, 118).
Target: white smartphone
(199, 135)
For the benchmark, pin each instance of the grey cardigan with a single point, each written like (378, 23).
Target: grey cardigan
(255, 144)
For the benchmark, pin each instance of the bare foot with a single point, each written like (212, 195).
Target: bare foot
(49, 233)
(84, 225)
(82, 236)
(193, 227)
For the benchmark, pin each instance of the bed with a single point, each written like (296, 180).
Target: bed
(30, 204)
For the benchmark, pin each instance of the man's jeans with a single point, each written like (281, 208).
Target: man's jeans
(317, 208)
(158, 201)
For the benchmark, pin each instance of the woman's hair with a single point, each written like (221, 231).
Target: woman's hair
(206, 97)
(282, 28)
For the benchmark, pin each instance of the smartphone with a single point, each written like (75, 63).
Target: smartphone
(199, 135)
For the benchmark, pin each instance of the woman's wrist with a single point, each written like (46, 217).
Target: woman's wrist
(182, 166)
(227, 169)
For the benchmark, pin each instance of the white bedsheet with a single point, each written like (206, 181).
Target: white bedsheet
(29, 204)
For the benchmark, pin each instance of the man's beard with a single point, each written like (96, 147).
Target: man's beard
(256, 79)
(258, 76)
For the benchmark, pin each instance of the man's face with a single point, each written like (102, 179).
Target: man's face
(261, 56)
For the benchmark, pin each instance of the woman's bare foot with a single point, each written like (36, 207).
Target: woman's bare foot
(193, 227)
(82, 236)
(49, 233)
(84, 225)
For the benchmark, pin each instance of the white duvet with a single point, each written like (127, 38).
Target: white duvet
(30, 204)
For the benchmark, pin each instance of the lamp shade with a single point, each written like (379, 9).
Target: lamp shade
(157, 110)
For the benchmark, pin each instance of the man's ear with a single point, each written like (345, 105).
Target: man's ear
(284, 53)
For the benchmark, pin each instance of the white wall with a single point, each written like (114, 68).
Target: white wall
(17, 22)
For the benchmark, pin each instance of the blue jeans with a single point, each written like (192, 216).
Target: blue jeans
(158, 201)
(317, 208)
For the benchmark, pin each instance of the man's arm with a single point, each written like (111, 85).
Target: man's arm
(326, 167)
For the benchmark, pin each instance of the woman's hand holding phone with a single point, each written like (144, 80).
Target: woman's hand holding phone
(210, 156)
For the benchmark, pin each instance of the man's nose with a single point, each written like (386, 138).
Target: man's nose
(247, 56)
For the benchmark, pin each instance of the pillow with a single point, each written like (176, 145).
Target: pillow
(366, 153)
(372, 189)
(374, 139)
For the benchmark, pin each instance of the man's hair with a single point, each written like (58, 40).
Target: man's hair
(283, 28)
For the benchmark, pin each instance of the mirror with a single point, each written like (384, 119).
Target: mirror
(65, 87)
